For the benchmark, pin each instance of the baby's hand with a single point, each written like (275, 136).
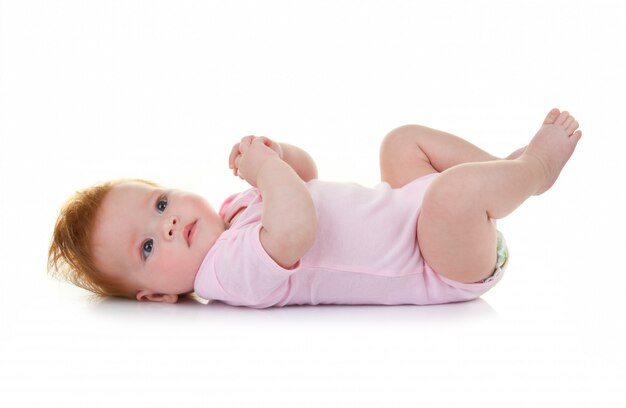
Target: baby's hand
(247, 156)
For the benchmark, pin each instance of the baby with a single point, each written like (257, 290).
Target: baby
(426, 234)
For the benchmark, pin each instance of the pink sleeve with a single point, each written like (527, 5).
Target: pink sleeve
(247, 275)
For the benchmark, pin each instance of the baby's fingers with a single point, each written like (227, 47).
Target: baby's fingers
(239, 148)
(236, 170)
(245, 143)
(233, 154)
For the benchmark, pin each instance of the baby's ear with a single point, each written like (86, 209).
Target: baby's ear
(144, 295)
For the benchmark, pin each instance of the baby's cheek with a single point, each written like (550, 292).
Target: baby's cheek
(176, 263)
(170, 259)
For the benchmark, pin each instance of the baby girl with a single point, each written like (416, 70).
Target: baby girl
(426, 234)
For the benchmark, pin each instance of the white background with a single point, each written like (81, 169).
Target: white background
(95, 90)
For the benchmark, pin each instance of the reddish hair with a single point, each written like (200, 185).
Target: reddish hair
(70, 256)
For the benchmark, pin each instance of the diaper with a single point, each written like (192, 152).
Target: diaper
(503, 254)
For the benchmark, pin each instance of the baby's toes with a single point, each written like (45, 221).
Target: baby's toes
(571, 126)
(567, 122)
(562, 118)
(552, 115)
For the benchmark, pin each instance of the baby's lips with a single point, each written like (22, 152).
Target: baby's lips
(188, 232)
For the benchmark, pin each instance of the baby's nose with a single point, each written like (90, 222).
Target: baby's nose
(169, 227)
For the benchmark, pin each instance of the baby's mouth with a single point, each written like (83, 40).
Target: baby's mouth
(189, 232)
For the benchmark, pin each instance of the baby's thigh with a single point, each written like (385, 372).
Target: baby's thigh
(457, 242)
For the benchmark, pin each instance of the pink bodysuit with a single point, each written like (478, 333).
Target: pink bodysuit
(366, 252)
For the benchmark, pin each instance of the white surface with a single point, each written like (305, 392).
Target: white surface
(91, 91)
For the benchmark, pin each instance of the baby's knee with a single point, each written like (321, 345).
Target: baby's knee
(403, 135)
(405, 142)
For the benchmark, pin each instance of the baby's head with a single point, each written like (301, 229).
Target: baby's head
(133, 239)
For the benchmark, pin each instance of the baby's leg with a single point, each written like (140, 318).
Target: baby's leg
(413, 151)
(456, 228)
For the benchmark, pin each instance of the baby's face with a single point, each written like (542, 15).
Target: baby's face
(154, 239)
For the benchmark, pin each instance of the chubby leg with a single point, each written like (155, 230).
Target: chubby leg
(456, 228)
(413, 151)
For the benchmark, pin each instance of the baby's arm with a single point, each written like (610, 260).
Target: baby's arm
(289, 220)
(300, 161)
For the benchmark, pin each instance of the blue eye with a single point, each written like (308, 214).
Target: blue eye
(161, 204)
(147, 248)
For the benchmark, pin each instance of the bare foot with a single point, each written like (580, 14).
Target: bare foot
(553, 145)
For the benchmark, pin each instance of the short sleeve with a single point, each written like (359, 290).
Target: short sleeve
(238, 271)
